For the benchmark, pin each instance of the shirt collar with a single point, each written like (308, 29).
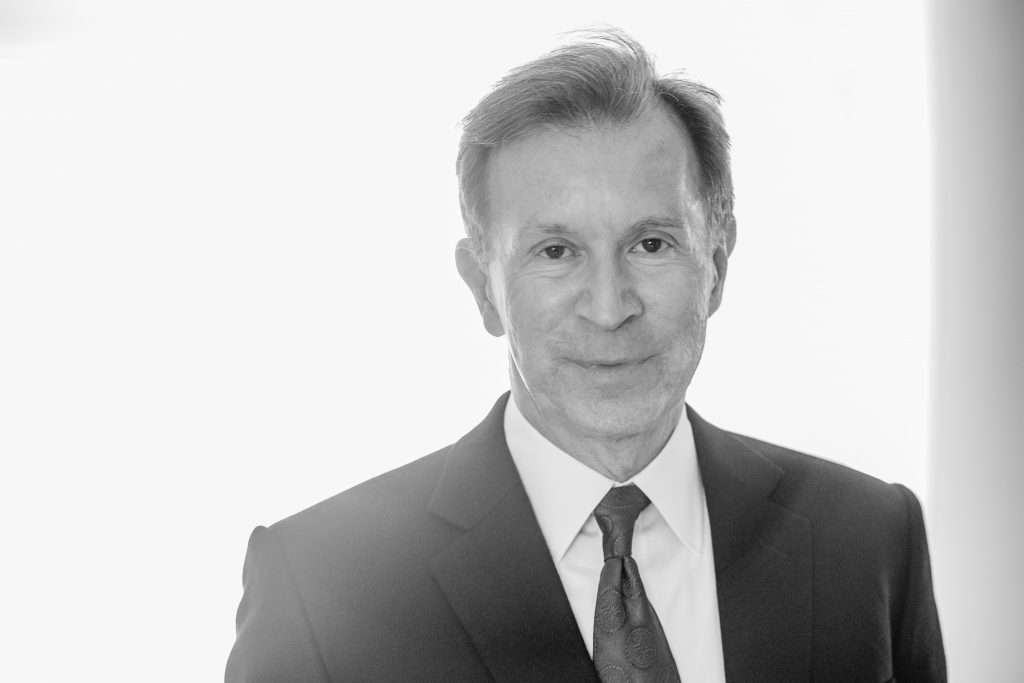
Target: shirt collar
(564, 492)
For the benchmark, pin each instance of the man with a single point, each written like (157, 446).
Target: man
(593, 526)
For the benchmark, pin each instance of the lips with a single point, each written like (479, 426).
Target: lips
(599, 363)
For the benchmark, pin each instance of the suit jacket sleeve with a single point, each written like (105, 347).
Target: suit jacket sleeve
(274, 640)
(917, 644)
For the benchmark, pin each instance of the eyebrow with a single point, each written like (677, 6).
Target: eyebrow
(656, 220)
(556, 229)
(646, 223)
(659, 221)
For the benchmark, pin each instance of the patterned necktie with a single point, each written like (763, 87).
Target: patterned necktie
(629, 644)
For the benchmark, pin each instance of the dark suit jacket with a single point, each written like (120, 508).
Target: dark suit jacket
(437, 571)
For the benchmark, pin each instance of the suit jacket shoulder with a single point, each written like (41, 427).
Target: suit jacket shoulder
(325, 588)
(435, 571)
(831, 492)
(367, 513)
(847, 550)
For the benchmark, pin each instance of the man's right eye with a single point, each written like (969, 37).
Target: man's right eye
(555, 251)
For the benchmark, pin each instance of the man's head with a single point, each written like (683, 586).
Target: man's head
(598, 202)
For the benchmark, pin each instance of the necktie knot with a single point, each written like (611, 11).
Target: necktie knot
(616, 515)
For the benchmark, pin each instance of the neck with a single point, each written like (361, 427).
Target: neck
(619, 457)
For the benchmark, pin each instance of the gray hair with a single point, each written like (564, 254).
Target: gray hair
(605, 77)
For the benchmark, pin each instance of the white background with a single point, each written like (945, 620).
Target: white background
(227, 288)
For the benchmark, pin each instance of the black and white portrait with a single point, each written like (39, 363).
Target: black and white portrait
(571, 341)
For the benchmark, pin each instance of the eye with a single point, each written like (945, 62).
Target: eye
(652, 245)
(554, 252)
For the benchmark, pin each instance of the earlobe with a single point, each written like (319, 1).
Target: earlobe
(475, 275)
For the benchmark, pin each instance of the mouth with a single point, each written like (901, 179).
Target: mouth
(612, 377)
(599, 364)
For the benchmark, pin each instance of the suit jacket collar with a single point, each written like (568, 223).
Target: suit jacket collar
(501, 582)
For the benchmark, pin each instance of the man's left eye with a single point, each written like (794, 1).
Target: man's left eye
(652, 245)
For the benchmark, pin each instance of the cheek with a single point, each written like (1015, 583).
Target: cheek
(676, 317)
(534, 305)
(680, 295)
(694, 317)
(534, 316)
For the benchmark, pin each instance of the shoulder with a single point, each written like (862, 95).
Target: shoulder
(352, 550)
(813, 487)
(812, 481)
(388, 518)
(839, 501)
(315, 583)
(396, 496)
(389, 499)
(869, 557)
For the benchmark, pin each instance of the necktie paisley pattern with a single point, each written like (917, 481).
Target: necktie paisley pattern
(629, 643)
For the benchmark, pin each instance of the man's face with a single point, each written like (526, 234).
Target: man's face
(602, 273)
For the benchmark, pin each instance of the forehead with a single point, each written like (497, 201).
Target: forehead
(605, 174)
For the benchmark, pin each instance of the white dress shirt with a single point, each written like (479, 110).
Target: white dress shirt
(671, 541)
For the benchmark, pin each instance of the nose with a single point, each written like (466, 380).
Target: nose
(608, 297)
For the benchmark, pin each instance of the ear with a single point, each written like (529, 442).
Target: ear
(475, 275)
(721, 262)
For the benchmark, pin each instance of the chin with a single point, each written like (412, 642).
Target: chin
(618, 417)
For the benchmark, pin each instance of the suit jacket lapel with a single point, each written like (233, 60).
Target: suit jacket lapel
(763, 564)
(498, 576)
